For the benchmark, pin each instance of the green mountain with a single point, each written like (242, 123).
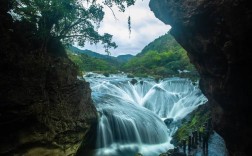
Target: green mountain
(86, 63)
(161, 44)
(87, 60)
(111, 59)
(163, 57)
(124, 58)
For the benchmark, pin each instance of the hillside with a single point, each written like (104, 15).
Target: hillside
(87, 60)
(163, 57)
(124, 58)
(111, 59)
(161, 44)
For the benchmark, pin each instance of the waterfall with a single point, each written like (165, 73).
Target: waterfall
(131, 115)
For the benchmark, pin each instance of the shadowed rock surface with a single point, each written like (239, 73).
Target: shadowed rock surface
(44, 109)
(216, 36)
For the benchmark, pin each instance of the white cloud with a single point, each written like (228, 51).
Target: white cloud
(145, 27)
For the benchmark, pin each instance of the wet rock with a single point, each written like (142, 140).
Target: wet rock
(173, 152)
(168, 121)
(141, 82)
(216, 36)
(133, 81)
(106, 74)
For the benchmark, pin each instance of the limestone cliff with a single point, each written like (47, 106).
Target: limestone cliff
(216, 35)
(44, 109)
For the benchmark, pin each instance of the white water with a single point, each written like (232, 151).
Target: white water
(131, 115)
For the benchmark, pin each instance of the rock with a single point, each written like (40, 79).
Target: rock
(193, 121)
(133, 81)
(157, 79)
(172, 152)
(130, 76)
(141, 82)
(44, 108)
(106, 74)
(163, 154)
(89, 75)
(168, 121)
(216, 36)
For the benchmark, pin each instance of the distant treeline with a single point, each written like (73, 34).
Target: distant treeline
(163, 57)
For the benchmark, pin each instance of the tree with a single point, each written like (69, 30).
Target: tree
(68, 20)
(162, 57)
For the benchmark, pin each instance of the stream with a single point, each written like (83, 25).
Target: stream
(132, 116)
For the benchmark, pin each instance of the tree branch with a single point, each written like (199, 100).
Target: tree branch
(69, 36)
(66, 29)
(112, 12)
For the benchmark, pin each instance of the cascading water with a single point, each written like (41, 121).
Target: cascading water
(131, 115)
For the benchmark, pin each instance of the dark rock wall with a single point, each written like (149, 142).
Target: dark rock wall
(217, 36)
(44, 109)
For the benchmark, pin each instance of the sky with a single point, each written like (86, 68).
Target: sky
(145, 27)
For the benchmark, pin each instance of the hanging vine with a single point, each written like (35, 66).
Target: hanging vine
(129, 25)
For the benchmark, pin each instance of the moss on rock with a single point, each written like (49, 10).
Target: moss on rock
(194, 121)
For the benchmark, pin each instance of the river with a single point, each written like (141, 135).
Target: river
(132, 115)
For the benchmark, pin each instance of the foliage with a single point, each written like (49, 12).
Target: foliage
(163, 43)
(162, 57)
(86, 63)
(114, 61)
(195, 122)
(152, 63)
(68, 20)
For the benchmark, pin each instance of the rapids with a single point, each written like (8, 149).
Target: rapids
(131, 116)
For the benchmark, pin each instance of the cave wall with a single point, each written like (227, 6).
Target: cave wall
(44, 108)
(216, 35)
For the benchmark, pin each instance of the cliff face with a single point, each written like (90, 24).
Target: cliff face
(44, 109)
(216, 36)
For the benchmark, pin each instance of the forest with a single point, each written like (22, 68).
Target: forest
(163, 57)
